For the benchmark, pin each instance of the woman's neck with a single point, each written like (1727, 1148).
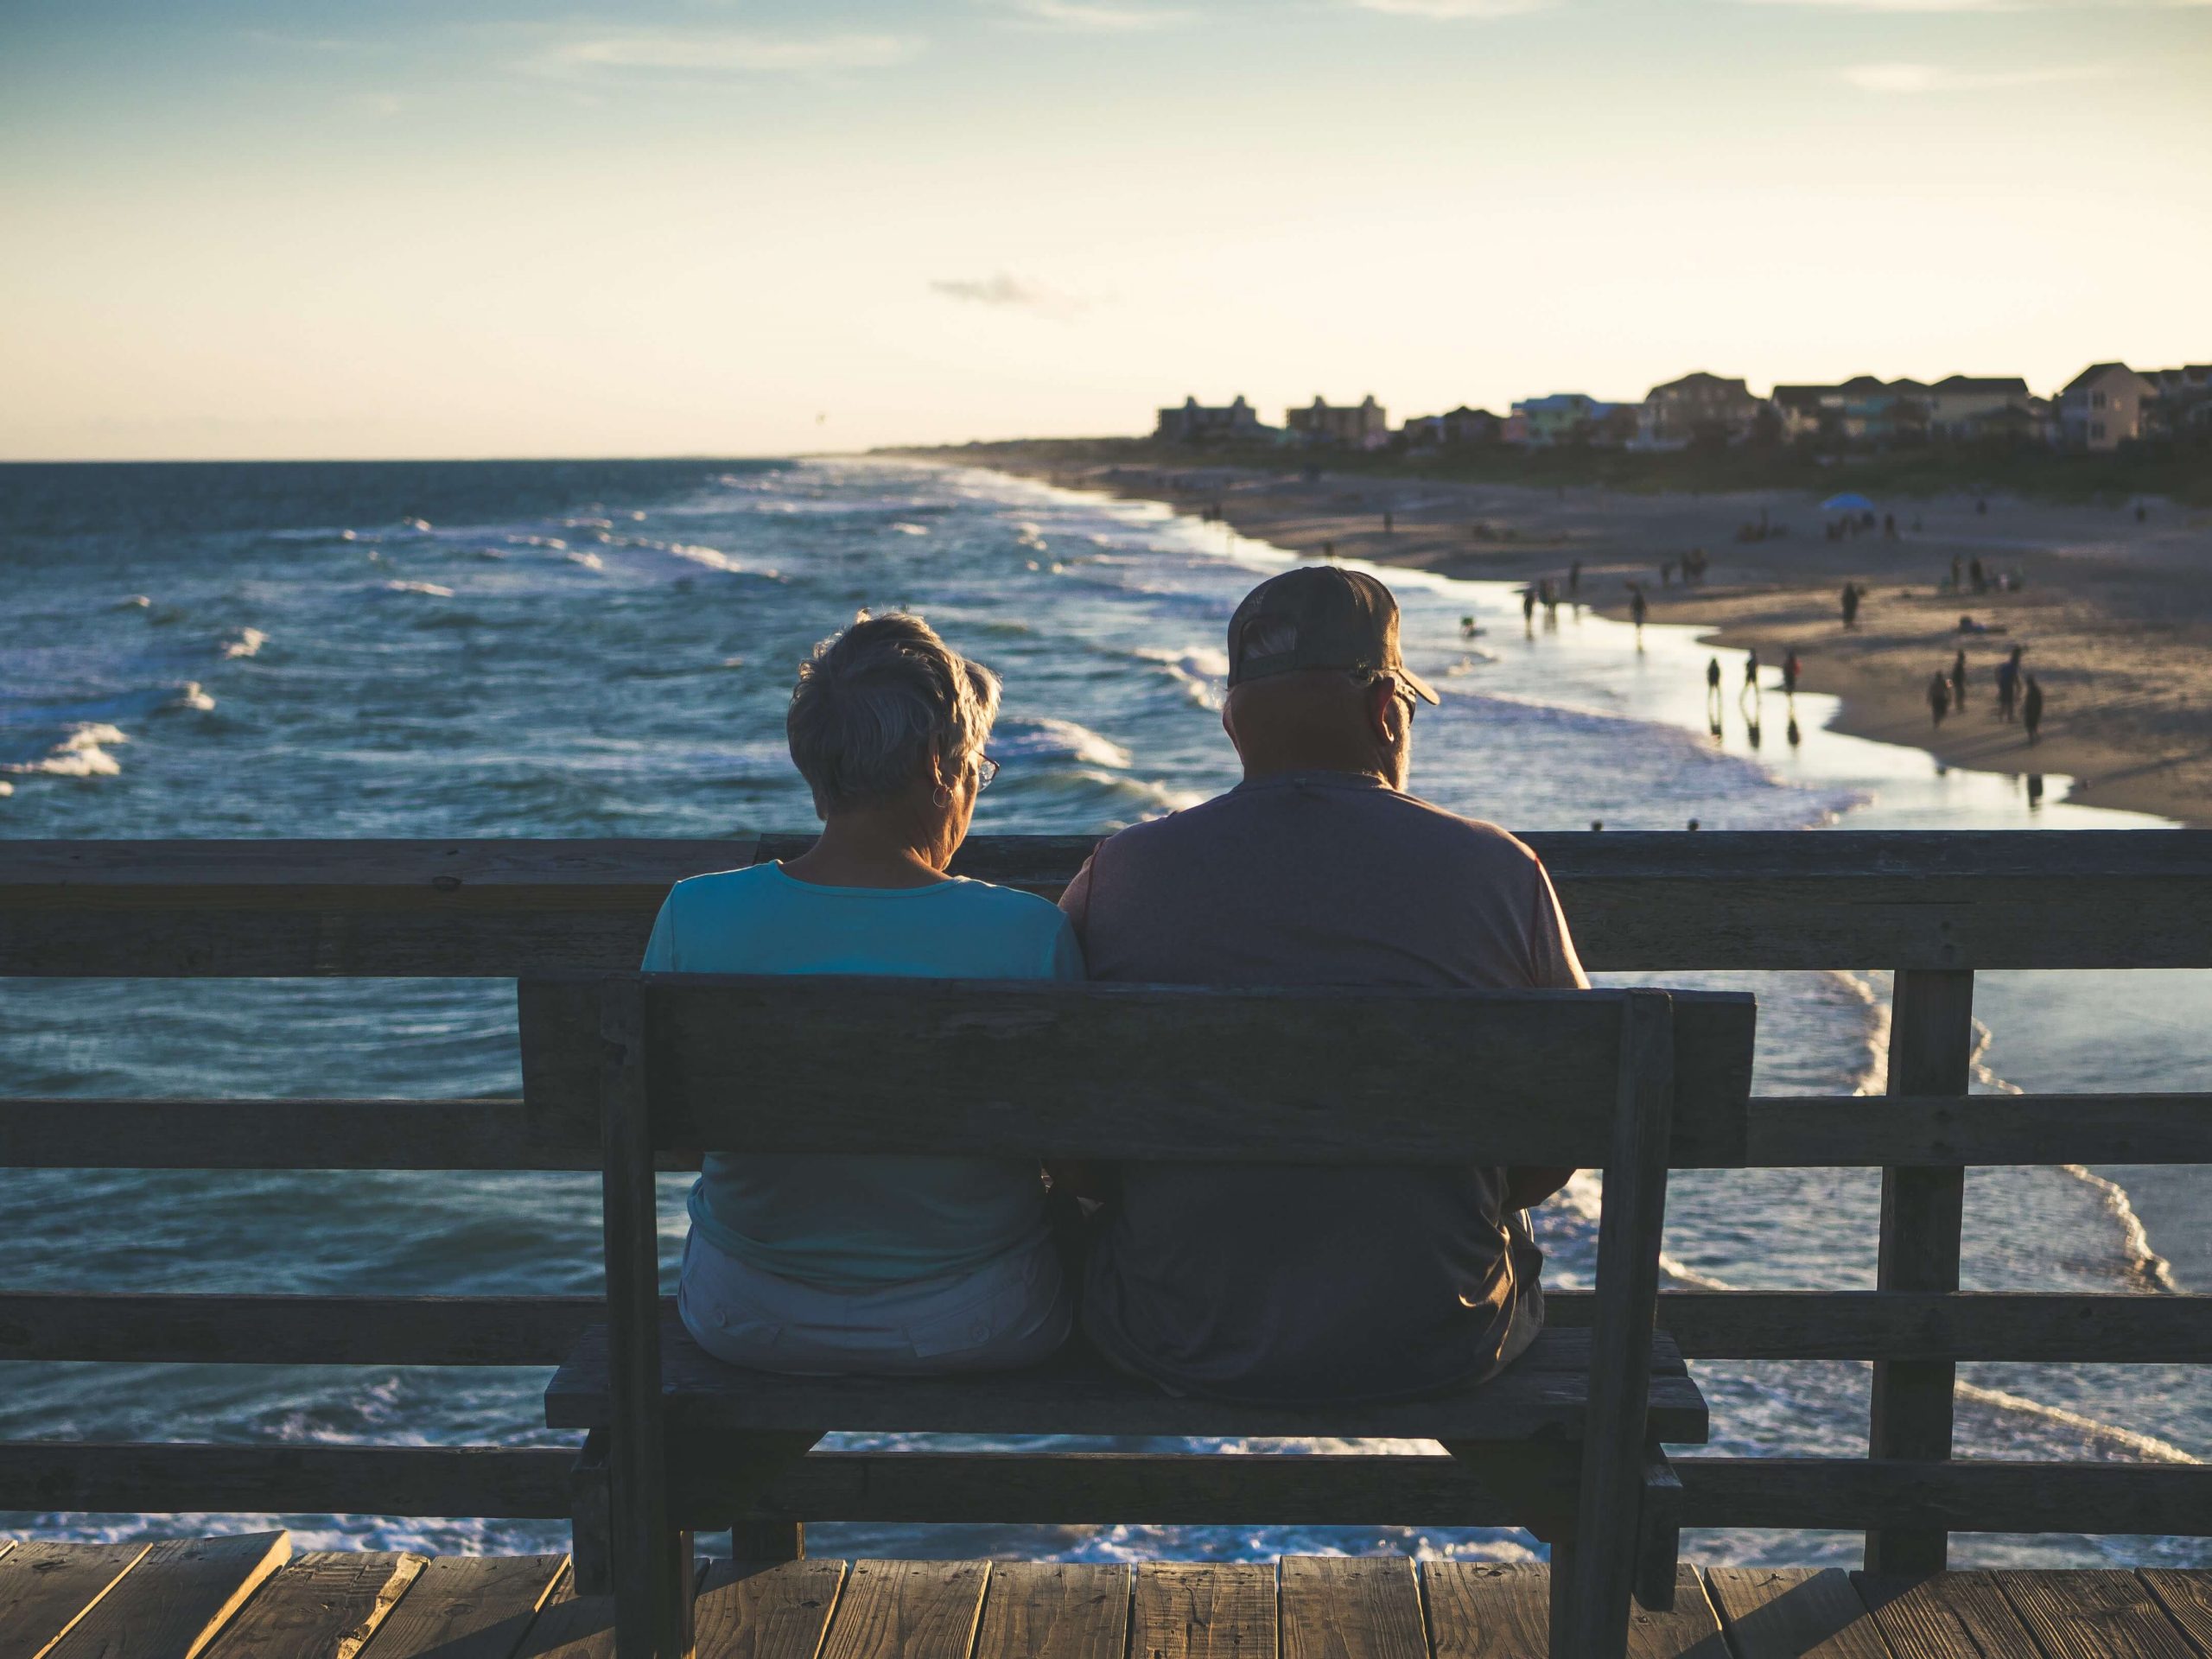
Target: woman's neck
(863, 849)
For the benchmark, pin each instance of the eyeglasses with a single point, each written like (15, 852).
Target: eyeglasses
(986, 769)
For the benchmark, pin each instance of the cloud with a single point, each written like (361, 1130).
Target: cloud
(1092, 17)
(721, 53)
(1911, 79)
(1454, 10)
(1008, 292)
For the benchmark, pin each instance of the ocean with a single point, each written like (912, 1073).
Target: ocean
(578, 649)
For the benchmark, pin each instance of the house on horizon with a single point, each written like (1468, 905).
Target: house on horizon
(1192, 422)
(1967, 406)
(2102, 407)
(1363, 425)
(1808, 412)
(2184, 405)
(1698, 403)
(1454, 429)
(1570, 417)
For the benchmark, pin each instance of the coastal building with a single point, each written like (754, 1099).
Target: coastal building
(2102, 407)
(1698, 404)
(1884, 414)
(2184, 405)
(1455, 429)
(1807, 411)
(1363, 425)
(1963, 406)
(1570, 417)
(1192, 422)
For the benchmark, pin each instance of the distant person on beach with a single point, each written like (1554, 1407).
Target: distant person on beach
(2008, 685)
(1638, 608)
(1275, 1283)
(1713, 694)
(1790, 669)
(1575, 581)
(1958, 681)
(2032, 708)
(1938, 697)
(1529, 607)
(821, 1264)
(1850, 604)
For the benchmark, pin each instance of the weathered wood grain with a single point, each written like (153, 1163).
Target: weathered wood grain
(1204, 1609)
(1931, 1050)
(320, 1604)
(467, 1607)
(1945, 1616)
(1966, 1496)
(1055, 1610)
(167, 1477)
(1497, 1609)
(1794, 1612)
(1350, 1607)
(1131, 1070)
(47, 1587)
(1778, 900)
(783, 1612)
(2187, 1598)
(907, 1610)
(181, 1594)
(2123, 1329)
(1544, 1391)
(2084, 1614)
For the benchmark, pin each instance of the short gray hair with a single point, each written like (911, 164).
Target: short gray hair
(875, 702)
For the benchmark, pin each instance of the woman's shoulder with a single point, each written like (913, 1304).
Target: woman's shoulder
(1010, 906)
(723, 885)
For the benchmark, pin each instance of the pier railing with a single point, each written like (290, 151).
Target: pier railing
(1934, 907)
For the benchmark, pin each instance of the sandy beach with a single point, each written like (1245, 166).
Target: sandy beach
(2115, 615)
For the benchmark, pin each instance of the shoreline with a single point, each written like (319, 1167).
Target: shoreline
(2116, 614)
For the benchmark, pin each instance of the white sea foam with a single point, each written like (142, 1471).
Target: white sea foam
(134, 603)
(589, 560)
(189, 695)
(420, 527)
(79, 754)
(1058, 739)
(428, 587)
(911, 530)
(250, 641)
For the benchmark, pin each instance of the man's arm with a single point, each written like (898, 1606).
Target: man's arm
(1553, 965)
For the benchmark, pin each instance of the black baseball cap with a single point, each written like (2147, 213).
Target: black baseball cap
(1328, 617)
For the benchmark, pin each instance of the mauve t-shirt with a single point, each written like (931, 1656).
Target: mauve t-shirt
(1280, 1282)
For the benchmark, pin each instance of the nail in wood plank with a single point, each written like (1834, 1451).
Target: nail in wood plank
(1794, 1612)
(45, 1588)
(907, 1610)
(1055, 1610)
(1204, 1609)
(1944, 1616)
(178, 1596)
(468, 1607)
(1501, 1610)
(1352, 1607)
(2086, 1615)
(2187, 1598)
(324, 1604)
(777, 1612)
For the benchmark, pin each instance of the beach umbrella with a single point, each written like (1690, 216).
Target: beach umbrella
(1846, 504)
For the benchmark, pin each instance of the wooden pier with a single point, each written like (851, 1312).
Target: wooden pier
(254, 1596)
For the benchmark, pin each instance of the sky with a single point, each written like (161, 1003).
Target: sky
(236, 228)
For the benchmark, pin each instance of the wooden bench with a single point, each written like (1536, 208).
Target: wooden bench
(1633, 1082)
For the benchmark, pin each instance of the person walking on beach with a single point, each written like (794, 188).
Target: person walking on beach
(1959, 680)
(1639, 606)
(1938, 697)
(1713, 694)
(1575, 582)
(1528, 609)
(2008, 685)
(2032, 708)
(1850, 604)
(1790, 668)
(1288, 1284)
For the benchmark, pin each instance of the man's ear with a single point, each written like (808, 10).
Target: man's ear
(1385, 712)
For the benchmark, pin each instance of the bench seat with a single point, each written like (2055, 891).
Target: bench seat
(1543, 1395)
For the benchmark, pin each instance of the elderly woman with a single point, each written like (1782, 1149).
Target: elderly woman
(894, 1265)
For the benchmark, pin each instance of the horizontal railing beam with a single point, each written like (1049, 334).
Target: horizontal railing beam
(540, 1331)
(1778, 899)
(1094, 1488)
(1785, 1132)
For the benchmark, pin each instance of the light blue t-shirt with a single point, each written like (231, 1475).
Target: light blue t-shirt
(855, 1222)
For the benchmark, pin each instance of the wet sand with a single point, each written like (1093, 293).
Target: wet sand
(2115, 615)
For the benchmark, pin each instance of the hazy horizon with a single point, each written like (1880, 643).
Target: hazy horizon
(690, 228)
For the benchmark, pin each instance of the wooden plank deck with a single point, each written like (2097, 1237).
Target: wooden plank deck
(252, 1595)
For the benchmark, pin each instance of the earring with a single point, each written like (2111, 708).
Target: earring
(941, 797)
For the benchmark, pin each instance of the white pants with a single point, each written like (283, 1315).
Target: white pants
(1007, 1313)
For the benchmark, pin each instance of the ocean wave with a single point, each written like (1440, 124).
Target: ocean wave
(589, 560)
(1049, 739)
(189, 695)
(910, 529)
(134, 603)
(81, 753)
(250, 641)
(430, 589)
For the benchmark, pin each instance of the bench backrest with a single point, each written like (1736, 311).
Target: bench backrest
(822, 1064)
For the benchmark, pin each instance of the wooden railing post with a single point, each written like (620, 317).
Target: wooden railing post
(1931, 1048)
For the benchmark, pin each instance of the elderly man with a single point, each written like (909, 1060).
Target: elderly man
(1270, 1282)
